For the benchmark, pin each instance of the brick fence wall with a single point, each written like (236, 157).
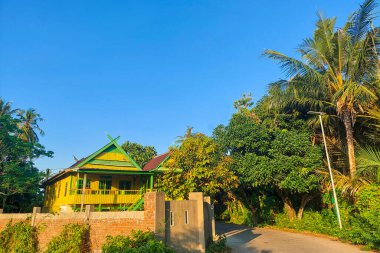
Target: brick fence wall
(185, 225)
(101, 223)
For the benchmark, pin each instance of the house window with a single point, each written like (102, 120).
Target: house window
(65, 189)
(125, 185)
(105, 183)
(186, 217)
(80, 185)
(171, 219)
(59, 189)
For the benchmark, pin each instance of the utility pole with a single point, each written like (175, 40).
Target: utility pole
(329, 165)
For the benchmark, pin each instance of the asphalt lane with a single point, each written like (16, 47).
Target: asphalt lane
(242, 239)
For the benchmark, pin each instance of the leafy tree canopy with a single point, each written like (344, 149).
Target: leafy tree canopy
(139, 153)
(204, 168)
(19, 178)
(268, 155)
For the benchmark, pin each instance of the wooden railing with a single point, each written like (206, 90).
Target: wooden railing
(103, 196)
(105, 192)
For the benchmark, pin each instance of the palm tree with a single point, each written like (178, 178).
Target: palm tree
(338, 73)
(29, 125)
(188, 133)
(6, 108)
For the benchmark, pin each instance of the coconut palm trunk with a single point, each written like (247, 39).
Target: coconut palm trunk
(347, 121)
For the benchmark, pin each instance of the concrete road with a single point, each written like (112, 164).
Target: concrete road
(264, 240)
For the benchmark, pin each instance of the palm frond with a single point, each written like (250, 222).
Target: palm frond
(374, 114)
(347, 186)
(369, 163)
(353, 92)
(361, 20)
(324, 34)
(6, 108)
(291, 66)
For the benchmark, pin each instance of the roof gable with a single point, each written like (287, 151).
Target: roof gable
(111, 156)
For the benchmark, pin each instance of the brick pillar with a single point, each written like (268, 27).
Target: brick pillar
(154, 212)
(198, 196)
(88, 210)
(36, 210)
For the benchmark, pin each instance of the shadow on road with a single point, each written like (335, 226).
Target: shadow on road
(244, 233)
(239, 237)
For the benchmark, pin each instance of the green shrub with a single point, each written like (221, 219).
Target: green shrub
(20, 237)
(137, 242)
(360, 225)
(238, 214)
(218, 246)
(365, 223)
(319, 222)
(74, 238)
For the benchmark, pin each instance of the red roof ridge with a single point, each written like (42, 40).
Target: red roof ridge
(167, 152)
(155, 161)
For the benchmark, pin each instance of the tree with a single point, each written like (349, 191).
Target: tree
(6, 108)
(188, 133)
(273, 158)
(244, 105)
(139, 153)
(18, 175)
(246, 102)
(197, 165)
(338, 73)
(29, 125)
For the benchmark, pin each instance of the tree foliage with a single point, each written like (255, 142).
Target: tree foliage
(19, 178)
(202, 166)
(139, 153)
(282, 159)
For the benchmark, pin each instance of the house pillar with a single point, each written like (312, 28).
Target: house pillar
(83, 191)
(151, 182)
(71, 184)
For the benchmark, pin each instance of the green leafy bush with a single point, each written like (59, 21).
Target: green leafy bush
(360, 225)
(365, 223)
(319, 222)
(74, 238)
(238, 214)
(137, 242)
(218, 246)
(20, 237)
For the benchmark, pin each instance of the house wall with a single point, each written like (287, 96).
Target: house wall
(60, 192)
(111, 158)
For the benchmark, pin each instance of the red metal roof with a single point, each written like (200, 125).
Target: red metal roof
(157, 160)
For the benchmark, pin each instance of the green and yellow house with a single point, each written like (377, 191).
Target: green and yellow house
(108, 179)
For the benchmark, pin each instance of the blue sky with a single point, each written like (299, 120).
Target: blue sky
(143, 70)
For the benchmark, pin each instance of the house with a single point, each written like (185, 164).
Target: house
(108, 179)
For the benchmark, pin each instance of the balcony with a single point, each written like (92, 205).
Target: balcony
(104, 197)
